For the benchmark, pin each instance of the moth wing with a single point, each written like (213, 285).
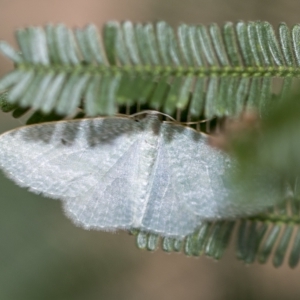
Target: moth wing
(204, 178)
(110, 202)
(67, 159)
(166, 212)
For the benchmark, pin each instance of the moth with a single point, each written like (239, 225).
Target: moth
(118, 173)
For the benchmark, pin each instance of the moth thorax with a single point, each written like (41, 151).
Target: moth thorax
(152, 124)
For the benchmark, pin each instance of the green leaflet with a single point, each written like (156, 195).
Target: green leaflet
(202, 71)
(262, 238)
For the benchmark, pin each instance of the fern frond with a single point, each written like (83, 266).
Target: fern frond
(260, 238)
(203, 71)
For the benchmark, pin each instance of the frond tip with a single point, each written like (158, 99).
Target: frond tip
(204, 71)
(261, 238)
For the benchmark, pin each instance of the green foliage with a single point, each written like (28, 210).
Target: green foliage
(276, 145)
(202, 71)
(199, 72)
(259, 238)
(5, 105)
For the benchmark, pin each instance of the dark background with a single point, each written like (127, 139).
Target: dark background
(43, 256)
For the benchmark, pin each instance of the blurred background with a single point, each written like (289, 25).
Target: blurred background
(44, 256)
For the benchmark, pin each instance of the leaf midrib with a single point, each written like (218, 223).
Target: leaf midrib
(213, 71)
